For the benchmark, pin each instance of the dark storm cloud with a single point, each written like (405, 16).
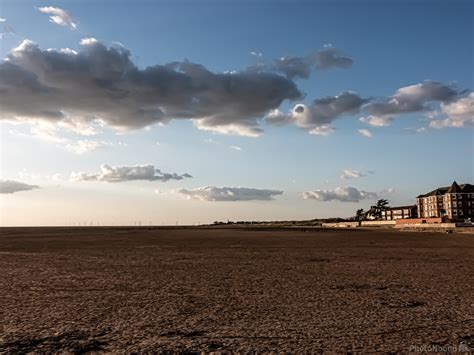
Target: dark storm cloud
(100, 82)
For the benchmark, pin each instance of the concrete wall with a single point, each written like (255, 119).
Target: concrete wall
(341, 225)
(363, 224)
(378, 223)
(396, 224)
(427, 225)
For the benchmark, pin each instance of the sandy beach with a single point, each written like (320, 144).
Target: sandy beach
(234, 289)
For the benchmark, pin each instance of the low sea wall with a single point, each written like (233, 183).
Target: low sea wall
(363, 224)
(398, 225)
(427, 225)
(377, 223)
(341, 225)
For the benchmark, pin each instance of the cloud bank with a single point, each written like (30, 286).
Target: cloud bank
(318, 116)
(213, 193)
(102, 83)
(342, 194)
(10, 187)
(128, 173)
(460, 113)
(408, 99)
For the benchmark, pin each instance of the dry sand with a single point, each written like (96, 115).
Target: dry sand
(177, 289)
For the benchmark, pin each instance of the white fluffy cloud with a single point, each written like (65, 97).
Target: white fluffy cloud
(84, 146)
(342, 194)
(102, 83)
(460, 113)
(278, 118)
(213, 193)
(128, 173)
(256, 54)
(229, 129)
(59, 16)
(10, 187)
(365, 133)
(377, 121)
(323, 130)
(352, 174)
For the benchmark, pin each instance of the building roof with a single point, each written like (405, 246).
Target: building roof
(467, 188)
(454, 189)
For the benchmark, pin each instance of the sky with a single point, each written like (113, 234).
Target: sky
(166, 112)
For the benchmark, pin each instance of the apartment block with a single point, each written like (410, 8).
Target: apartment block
(455, 202)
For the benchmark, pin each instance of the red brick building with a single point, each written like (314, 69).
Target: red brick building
(455, 202)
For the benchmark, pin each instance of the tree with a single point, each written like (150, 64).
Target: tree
(360, 215)
(381, 206)
(442, 213)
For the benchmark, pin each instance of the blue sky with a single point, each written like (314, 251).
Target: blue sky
(393, 44)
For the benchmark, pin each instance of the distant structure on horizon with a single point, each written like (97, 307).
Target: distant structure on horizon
(391, 213)
(455, 202)
(400, 212)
